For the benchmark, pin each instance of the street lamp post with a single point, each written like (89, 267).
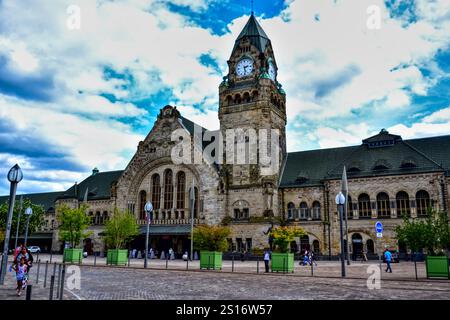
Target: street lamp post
(28, 212)
(148, 211)
(15, 175)
(340, 201)
(192, 198)
(18, 221)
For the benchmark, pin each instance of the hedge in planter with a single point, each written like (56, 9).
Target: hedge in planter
(73, 223)
(432, 234)
(282, 259)
(211, 241)
(121, 228)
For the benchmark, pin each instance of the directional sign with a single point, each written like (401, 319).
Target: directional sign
(379, 235)
(379, 227)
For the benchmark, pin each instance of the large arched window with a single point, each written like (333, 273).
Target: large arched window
(168, 189)
(383, 205)
(364, 206)
(316, 210)
(423, 203)
(291, 210)
(403, 207)
(303, 211)
(156, 192)
(142, 201)
(181, 185)
(105, 216)
(349, 207)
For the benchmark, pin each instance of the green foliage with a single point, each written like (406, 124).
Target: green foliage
(432, 234)
(121, 228)
(226, 220)
(283, 236)
(257, 251)
(72, 224)
(211, 238)
(36, 219)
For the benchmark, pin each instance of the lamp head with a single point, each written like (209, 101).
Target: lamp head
(340, 199)
(29, 211)
(15, 174)
(148, 207)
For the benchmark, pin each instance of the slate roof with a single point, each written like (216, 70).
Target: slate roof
(98, 186)
(46, 199)
(255, 33)
(375, 157)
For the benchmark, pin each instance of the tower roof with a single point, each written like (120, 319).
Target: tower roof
(255, 33)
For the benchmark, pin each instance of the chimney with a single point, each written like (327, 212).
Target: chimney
(95, 171)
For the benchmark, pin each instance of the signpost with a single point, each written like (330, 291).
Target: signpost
(379, 230)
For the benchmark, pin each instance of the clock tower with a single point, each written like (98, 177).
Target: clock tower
(250, 97)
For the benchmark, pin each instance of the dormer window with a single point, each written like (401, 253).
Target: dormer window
(381, 165)
(408, 164)
(354, 170)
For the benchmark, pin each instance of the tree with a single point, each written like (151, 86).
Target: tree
(432, 234)
(211, 238)
(283, 236)
(36, 219)
(72, 224)
(120, 229)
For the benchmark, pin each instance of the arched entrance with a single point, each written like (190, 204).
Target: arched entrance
(357, 245)
(88, 246)
(304, 243)
(370, 246)
(294, 248)
(316, 247)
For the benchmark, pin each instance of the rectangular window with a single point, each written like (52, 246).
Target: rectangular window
(249, 244)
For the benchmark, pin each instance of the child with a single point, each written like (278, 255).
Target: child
(21, 275)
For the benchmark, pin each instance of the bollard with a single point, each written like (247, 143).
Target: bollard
(312, 268)
(39, 267)
(52, 284)
(61, 292)
(95, 258)
(187, 264)
(128, 260)
(59, 281)
(29, 288)
(167, 261)
(415, 265)
(37, 257)
(257, 265)
(232, 263)
(79, 258)
(45, 274)
(51, 255)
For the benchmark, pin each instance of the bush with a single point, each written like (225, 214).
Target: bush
(121, 228)
(283, 236)
(211, 238)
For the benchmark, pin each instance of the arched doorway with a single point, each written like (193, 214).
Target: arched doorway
(370, 246)
(88, 246)
(294, 248)
(316, 247)
(357, 245)
(304, 243)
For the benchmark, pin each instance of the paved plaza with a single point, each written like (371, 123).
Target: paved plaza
(156, 283)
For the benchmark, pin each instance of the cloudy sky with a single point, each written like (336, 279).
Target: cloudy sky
(71, 100)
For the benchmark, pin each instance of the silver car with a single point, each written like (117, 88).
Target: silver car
(34, 249)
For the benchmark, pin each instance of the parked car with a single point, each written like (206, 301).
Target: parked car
(34, 249)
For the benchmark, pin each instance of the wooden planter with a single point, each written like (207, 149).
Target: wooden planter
(73, 255)
(282, 262)
(117, 256)
(211, 260)
(437, 267)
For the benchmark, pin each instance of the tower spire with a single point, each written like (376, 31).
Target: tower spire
(252, 7)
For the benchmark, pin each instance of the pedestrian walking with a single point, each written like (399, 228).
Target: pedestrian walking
(312, 259)
(267, 259)
(21, 270)
(388, 258)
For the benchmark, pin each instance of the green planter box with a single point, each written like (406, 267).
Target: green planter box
(117, 256)
(282, 262)
(73, 255)
(211, 260)
(437, 267)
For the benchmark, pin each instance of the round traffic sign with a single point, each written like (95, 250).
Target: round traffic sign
(379, 227)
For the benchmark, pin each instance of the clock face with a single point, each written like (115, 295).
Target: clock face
(272, 71)
(244, 67)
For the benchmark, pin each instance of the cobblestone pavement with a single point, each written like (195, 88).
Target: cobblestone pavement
(120, 283)
(123, 283)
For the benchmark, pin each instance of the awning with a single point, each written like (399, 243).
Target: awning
(166, 230)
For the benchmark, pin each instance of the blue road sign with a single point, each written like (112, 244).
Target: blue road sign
(379, 227)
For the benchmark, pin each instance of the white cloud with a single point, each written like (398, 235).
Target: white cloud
(442, 115)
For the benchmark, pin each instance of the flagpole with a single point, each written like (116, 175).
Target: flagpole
(192, 196)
